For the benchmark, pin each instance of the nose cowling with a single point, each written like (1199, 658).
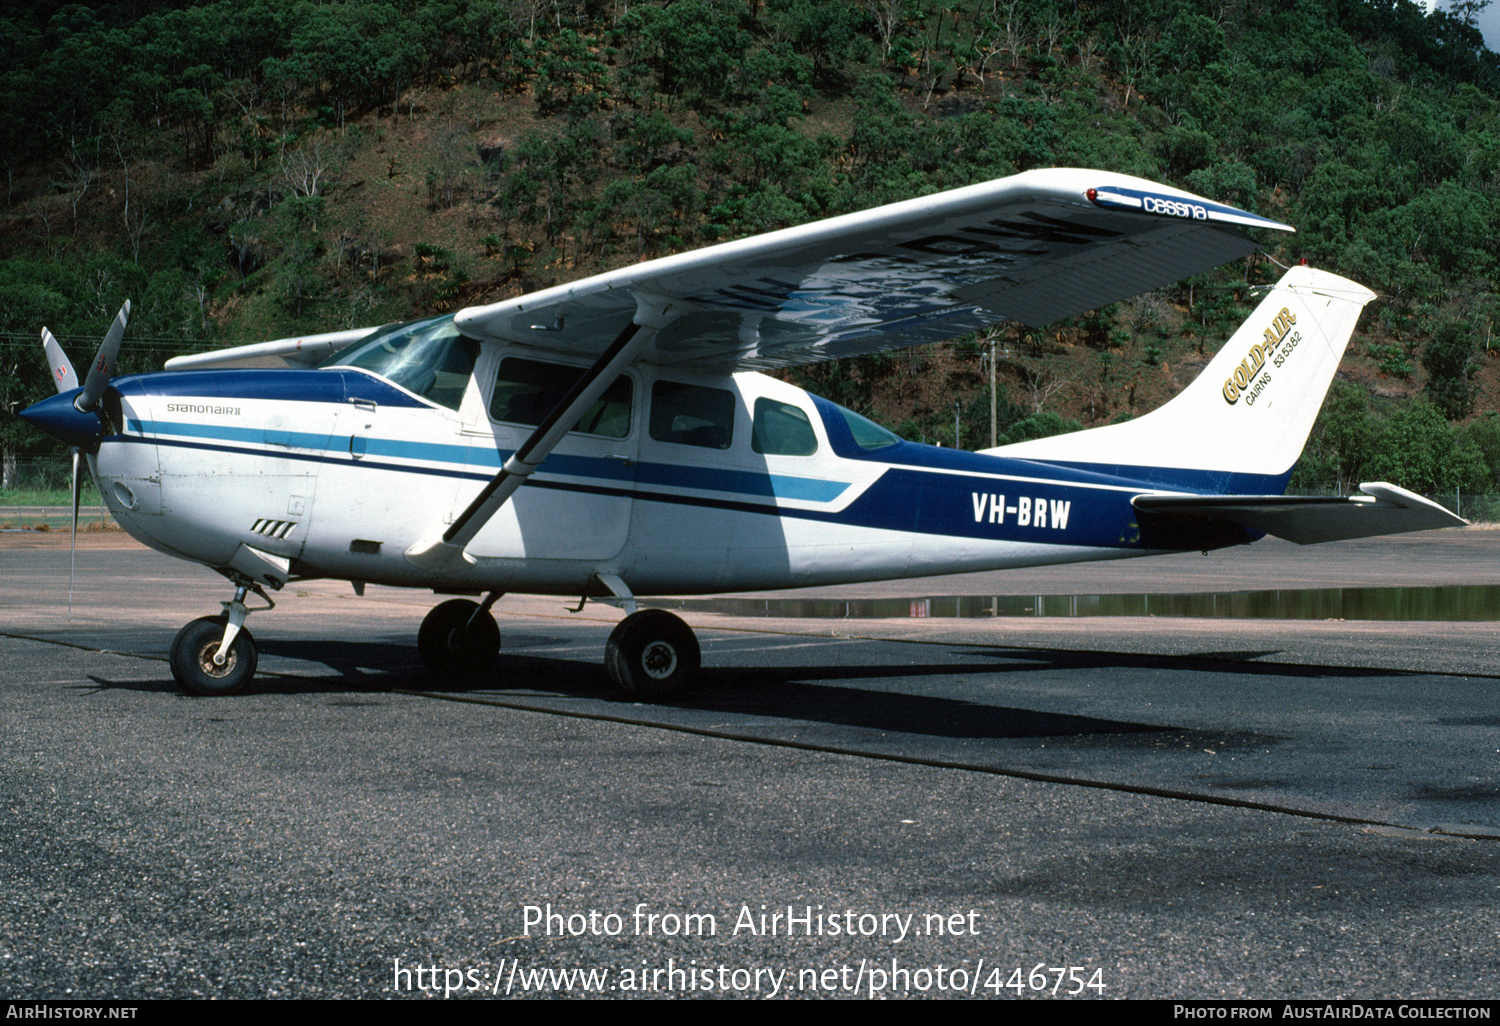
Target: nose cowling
(58, 417)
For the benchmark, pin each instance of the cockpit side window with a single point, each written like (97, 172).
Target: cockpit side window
(781, 429)
(429, 358)
(527, 390)
(692, 415)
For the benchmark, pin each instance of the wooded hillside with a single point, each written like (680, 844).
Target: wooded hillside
(249, 170)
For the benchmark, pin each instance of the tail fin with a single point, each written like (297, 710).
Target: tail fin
(1241, 425)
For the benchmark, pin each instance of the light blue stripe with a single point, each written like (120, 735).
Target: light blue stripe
(707, 479)
(432, 452)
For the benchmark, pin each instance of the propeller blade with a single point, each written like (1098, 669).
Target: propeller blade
(73, 540)
(63, 374)
(103, 367)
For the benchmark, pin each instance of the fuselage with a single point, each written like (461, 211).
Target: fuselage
(678, 483)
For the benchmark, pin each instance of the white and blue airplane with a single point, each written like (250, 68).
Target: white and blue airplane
(613, 437)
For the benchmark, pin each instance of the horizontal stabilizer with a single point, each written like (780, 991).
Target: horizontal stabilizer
(303, 351)
(1383, 509)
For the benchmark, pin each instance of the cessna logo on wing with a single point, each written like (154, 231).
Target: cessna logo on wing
(1239, 383)
(1173, 208)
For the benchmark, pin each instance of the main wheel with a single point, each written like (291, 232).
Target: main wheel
(454, 642)
(193, 664)
(652, 655)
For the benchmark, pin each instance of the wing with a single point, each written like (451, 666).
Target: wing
(1384, 509)
(1034, 248)
(302, 351)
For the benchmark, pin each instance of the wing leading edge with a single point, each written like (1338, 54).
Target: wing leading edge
(1033, 247)
(301, 351)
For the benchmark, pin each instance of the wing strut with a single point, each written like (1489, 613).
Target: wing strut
(652, 313)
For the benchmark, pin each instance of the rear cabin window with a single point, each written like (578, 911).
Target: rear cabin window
(692, 415)
(781, 429)
(527, 390)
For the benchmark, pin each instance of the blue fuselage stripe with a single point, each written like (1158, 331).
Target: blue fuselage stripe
(917, 488)
(710, 479)
(899, 500)
(919, 502)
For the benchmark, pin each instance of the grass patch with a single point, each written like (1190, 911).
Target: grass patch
(48, 497)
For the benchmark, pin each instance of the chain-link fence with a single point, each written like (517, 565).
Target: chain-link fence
(40, 476)
(35, 492)
(1475, 507)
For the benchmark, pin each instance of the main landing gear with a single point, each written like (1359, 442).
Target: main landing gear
(460, 638)
(651, 655)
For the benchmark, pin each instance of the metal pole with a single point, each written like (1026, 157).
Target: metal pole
(994, 420)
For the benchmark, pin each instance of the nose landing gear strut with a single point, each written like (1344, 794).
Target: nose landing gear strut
(215, 655)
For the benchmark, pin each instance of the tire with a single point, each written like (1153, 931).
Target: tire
(452, 647)
(652, 655)
(193, 654)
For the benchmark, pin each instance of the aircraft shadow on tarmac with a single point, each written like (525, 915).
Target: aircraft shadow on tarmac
(806, 693)
(800, 693)
(1241, 662)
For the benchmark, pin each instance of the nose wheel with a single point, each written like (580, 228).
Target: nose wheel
(215, 655)
(652, 655)
(193, 658)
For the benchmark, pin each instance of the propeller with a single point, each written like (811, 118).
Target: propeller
(73, 538)
(63, 374)
(66, 380)
(77, 416)
(103, 367)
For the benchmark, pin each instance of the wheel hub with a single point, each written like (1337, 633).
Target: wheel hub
(208, 666)
(659, 660)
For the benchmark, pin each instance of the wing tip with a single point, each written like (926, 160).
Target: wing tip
(1164, 201)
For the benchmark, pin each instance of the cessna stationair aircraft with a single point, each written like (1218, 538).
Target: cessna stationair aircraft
(613, 436)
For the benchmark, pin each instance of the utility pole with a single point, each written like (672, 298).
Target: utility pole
(994, 435)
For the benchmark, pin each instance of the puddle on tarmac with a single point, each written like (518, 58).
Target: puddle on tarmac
(1458, 602)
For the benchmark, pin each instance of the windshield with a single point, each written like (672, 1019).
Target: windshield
(868, 434)
(430, 358)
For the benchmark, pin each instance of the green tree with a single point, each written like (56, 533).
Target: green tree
(1483, 432)
(1418, 450)
(1342, 444)
(1039, 425)
(697, 46)
(570, 78)
(663, 206)
(1450, 362)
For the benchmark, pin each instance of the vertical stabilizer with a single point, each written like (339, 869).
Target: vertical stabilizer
(1241, 425)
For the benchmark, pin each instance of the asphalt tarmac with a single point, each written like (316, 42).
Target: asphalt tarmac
(1126, 807)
